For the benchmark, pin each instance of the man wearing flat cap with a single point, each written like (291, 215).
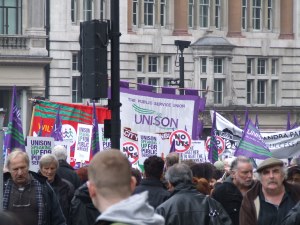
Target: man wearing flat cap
(270, 199)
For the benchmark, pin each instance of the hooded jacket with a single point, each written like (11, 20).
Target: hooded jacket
(134, 210)
(250, 205)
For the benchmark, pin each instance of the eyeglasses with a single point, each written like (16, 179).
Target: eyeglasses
(23, 198)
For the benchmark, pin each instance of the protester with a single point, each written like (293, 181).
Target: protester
(230, 192)
(63, 189)
(293, 175)
(82, 174)
(227, 165)
(65, 170)
(293, 216)
(270, 199)
(187, 206)
(110, 186)
(82, 211)
(171, 159)
(137, 174)
(28, 195)
(202, 176)
(157, 193)
(7, 218)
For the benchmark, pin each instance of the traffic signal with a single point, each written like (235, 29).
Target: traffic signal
(93, 58)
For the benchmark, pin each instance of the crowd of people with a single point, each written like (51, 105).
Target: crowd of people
(169, 191)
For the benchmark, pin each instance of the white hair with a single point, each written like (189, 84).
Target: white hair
(60, 152)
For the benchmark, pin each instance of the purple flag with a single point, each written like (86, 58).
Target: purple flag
(191, 92)
(14, 137)
(172, 148)
(95, 132)
(252, 144)
(288, 123)
(236, 121)
(199, 129)
(213, 146)
(295, 125)
(56, 130)
(246, 117)
(202, 104)
(40, 133)
(124, 84)
(168, 90)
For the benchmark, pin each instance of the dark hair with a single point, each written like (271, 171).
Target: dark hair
(292, 171)
(203, 170)
(217, 174)
(137, 174)
(154, 166)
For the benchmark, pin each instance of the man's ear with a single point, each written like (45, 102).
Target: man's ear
(132, 183)
(91, 188)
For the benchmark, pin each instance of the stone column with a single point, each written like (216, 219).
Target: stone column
(129, 16)
(96, 9)
(286, 19)
(234, 18)
(180, 17)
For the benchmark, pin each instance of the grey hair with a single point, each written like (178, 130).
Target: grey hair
(179, 173)
(60, 152)
(48, 159)
(16, 152)
(239, 159)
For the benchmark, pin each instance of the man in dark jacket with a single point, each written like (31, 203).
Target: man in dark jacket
(28, 195)
(230, 192)
(157, 193)
(270, 199)
(65, 171)
(187, 206)
(82, 212)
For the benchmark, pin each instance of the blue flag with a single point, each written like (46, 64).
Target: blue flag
(14, 137)
(56, 130)
(95, 133)
(213, 146)
(252, 144)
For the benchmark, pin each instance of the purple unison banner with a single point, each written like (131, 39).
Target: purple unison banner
(157, 113)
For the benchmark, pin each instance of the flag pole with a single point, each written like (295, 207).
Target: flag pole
(31, 122)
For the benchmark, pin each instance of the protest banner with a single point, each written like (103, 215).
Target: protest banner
(157, 113)
(105, 143)
(36, 147)
(149, 144)
(282, 145)
(182, 139)
(196, 152)
(83, 143)
(131, 150)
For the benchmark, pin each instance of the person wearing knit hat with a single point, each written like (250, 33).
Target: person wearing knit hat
(271, 198)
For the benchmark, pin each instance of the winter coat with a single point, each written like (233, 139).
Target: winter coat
(157, 194)
(187, 206)
(65, 171)
(51, 213)
(250, 205)
(82, 212)
(293, 217)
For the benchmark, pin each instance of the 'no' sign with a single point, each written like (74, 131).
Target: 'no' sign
(131, 150)
(182, 140)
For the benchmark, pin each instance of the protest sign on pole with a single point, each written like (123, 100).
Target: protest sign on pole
(83, 143)
(105, 143)
(182, 139)
(196, 152)
(36, 147)
(149, 145)
(131, 150)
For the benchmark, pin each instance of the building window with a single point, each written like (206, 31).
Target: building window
(204, 13)
(218, 13)
(152, 66)
(203, 65)
(203, 87)
(218, 65)
(167, 60)
(73, 11)
(218, 91)
(135, 12)
(140, 64)
(141, 80)
(10, 16)
(75, 62)
(261, 92)
(154, 82)
(249, 66)
(102, 9)
(274, 91)
(261, 66)
(274, 67)
(191, 13)
(249, 91)
(244, 14)
(149, 12)
(88, 10)
(270, 15)
(256, 17)
(162, 13)
(76, 89)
